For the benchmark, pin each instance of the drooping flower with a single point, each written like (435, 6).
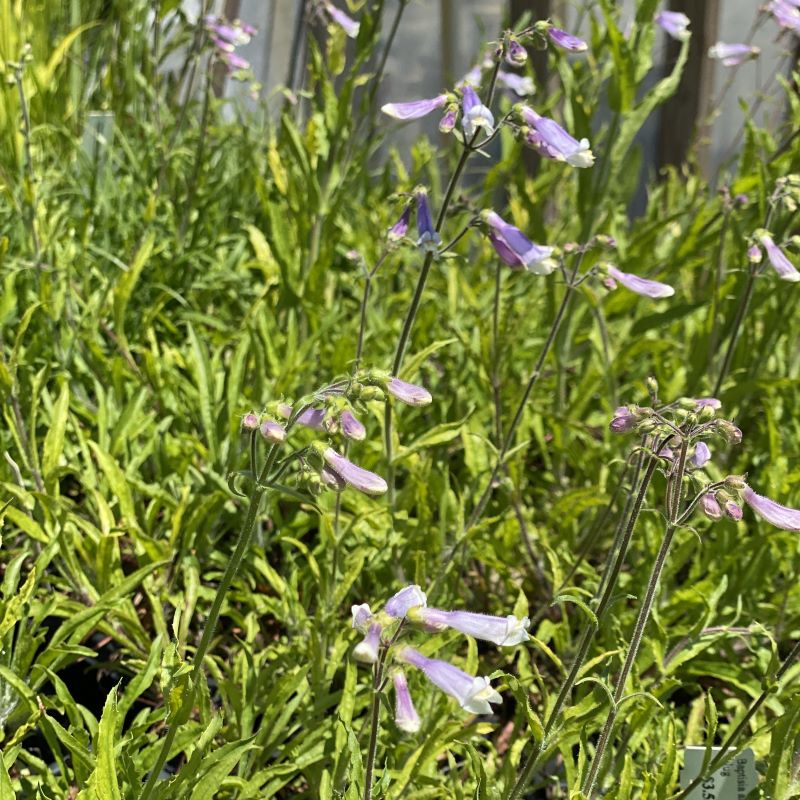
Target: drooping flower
(313, 418)
(405, 715)
(473, 694)
(368, 648)
(351, 427)
(732, 55)
(408, 393)
(552, 141)
(521, 85)
(515, 249)
(516, 54)
(474, 114)
(227, 36)
(640, 286)
(361, 479)
(566, 41)
(332, 480)
(781, 264)
(623, 420)
(674, 23)
(414, 109)
(786, 14)
(429, 238)
(346, 23)
(273, 431)
(408, 597)
(783, 517)
(701, 455)
(400, 228)
(502, 631)
(710, 506)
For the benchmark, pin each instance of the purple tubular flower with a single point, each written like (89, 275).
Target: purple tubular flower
(641, 286)
(502, 631)
(400, 228)
(566, 41)
(674, 23)
(414, 109)
(474, 114)
(405, 715)
(429, 239)
(347, 24)
(515, 249)
(351, 427)
(552, 141)
(448, 121)
(408, 393)
(516, 54)
(284, 410)
(521, 85)
(701, 455)
(473, 694)
(783, 517)
(273, 431)
(785, 269)
(786, 14)
(711, 507)
(312, 418)
(754, 254)
(408, 597)
(361, 479)
(367, 649)
(732, 55)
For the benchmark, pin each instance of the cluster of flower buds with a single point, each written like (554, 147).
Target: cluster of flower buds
(427, 236)
(226, 37)
(728, 500)
(409, 607)
(786, 13)
(272, 430)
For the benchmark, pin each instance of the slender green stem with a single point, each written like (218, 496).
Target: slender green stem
(411, 314)
(494, 370)
(231, 570)
(26, 138)
(641, 623)
(604, 592)
(741, 311)
(375, 718)
(199, 155)
(721, 756)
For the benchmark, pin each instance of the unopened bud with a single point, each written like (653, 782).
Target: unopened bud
(250, 421)
(729, 431)
(735, 482)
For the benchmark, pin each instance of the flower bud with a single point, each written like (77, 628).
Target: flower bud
(735, 482)
(250, 421)
(729, 431)
(733, 510)
(711, 507)
(273, 431)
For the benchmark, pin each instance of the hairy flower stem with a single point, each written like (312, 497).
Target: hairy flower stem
(495, 355)
(721, 758)
(374, 725)
(642, 619)
(231, 570)
(411, 314)
(604, 592)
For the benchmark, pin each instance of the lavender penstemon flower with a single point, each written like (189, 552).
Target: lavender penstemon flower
(780, 516)
(732, 55)
(640, 286)
(273, 431)
(226, 37)
(515, 54)
(351, 427)
(674, 23)
(408, 393)
(552, 141)
(786, 14)
(366, 650)
(429, 238)
(355, 476)
(777, 258)
(521, 85)
(448, 122)
(474, 694)
(345, 22)
(502, 631)
(515, 249)
(415, 109)
(399, 604)
(405, 715)
(400, 228)
(474, 115)
(566, 41)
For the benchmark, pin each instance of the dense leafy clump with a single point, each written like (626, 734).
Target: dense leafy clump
(259, 370)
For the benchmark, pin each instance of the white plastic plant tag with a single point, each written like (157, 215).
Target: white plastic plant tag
(734, 781)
